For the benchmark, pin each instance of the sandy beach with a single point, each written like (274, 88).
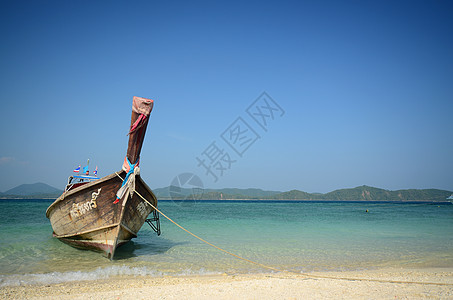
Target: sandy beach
(375, 284)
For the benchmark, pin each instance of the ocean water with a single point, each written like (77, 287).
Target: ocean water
(297, 236)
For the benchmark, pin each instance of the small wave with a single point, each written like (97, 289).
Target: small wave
(59, 277)
(99, 273)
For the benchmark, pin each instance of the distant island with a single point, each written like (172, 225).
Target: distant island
(32, 191)
(360, 193)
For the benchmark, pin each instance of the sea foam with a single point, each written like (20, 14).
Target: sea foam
(99, 273)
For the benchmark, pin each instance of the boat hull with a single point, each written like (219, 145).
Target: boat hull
(87, 217)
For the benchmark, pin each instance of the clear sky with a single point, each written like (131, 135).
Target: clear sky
(365, 91)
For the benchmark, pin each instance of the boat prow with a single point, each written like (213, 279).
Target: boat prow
(103, 214)
(87, 218)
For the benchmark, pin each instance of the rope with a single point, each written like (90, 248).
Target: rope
(206, 242)
(287, 271)
(128, 181)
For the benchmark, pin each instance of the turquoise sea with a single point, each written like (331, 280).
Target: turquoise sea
(291, 235)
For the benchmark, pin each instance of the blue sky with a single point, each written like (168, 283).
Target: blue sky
(366, 89)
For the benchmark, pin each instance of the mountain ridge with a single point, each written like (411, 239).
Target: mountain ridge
(368, 193)
(33, 190)
(361, 193)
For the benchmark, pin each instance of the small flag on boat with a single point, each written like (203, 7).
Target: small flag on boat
(77, 170)
(85, 170)
(96, 171)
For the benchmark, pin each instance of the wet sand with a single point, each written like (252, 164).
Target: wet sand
(372, 284)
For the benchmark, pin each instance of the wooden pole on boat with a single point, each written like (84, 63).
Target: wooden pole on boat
(141, 108)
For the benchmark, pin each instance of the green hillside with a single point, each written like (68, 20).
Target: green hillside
(360, 193)
(212, 194)
(368, 193)
(35, 190)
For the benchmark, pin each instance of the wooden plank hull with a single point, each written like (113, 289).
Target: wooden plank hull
(87, 218)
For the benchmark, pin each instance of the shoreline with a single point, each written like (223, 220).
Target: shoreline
(379, 283)
(168, 199)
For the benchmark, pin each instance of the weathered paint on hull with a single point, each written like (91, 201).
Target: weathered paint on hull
(87, 218)
(103, 242)
(99, 240)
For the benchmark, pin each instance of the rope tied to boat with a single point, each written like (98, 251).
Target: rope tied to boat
(129, 181)
(305, 275)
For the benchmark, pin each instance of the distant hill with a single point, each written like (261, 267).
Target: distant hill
(243, 193)
(35, 190)
(212, 194)
(361, 193)
(368, 193)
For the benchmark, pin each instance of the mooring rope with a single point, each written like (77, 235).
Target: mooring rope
(289, 271)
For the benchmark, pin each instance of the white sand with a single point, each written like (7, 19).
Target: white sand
(257, 286)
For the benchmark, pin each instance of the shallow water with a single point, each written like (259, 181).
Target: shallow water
(298, 236)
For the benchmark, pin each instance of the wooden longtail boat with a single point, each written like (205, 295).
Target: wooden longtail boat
(103, 214)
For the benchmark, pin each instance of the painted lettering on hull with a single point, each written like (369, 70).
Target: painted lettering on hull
(79, 209)
(141, 207)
